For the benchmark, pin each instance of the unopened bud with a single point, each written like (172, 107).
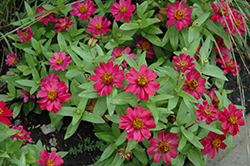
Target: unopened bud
(184, 49)
(205, 61)
(119, 34)
(92, 42)
(196, 24)
(138, 51)
(139, 21)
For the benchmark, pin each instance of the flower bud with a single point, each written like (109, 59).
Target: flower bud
(184, 49)
(92, 42)
(196, 24)
(205, 61)
(139, 51)
(139, 21)
(119, 34)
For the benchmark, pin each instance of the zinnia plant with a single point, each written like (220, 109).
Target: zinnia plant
(50, 159)
(22, 134)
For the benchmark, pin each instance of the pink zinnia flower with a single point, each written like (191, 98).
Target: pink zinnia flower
(122, 10)
(214, 99)
(141, 83)
(11, 59)
(223, 48)
(123, 153)
(220, 10)
(83, 10)
(178, 15)
(25, 35)
(59, 61)
(231, 119)
(117, 52)
(47, 16)
(53, 95)
(236, 22)
(184, 62)
(164, 147)
(213, 142)
(228, 65)
(22, 134)
(146, 45)
(194, 85)
(26, 95)
(4, 113)
(49, 79)
(106, 77)
(98, 25)
(63, 24)
(137, 123)
(50, 160)
(197, 54)
(207, 112)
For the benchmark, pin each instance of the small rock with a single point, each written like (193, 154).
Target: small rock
(37, 126)
(53, 142)
(53, 148)
(17, 122)
(29, 128)
(46, 129)
(10, 73)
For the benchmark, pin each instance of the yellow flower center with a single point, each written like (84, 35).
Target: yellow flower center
(229, 63)
(197, 53)
(216, 143)
(119, 55)
(138, 123)
(145, 45)
(192, 84)
(63, 24)
(98, 25)
(124, 152)
(164, 147)
(142, 81)
(59, 61)
(19, 134)
(122, 9)
(224, 11)
(52, 94)
(1, 111)
(50, 163)
(13, 60)
(216, 102)
(46, 14)
(107, 78)
(207, 111)
(26, 93)
(179, 14)
(25, 35)
(83, 9)
(232, 119)
(183, 63)
(237, 22)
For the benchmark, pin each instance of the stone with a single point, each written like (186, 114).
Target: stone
(17, 122)
(10, 73)
(53, 148)
(53, 142)
(46, 129)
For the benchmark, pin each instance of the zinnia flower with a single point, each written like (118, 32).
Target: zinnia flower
(164, 147)
(4, 113)
(106, 77)
(59, 61)
(53, 95)
(184, 62)
(137, 123)
(228, 65)
(223, 48)
(178, 15)
(236, 22)
(83, 10)
(25, 35)
(194, 85)
(11, 59)
(141, 83)
(26, 95)
(47, 16)
(213, 142)
(231, 119)
(122, 10)
(214, 98)
(144, 44)
(98, 25)
(123, 153)
(49, 79)
(117, 52)
(50, 160)
(220, 10)
(22, 134)
(63, 24)
(207, 112)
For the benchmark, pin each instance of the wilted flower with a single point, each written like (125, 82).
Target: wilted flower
(11, 59)
(117, 52)
(63, 24)
(59, 61)
(22, 134)
(4, 113)
(50, 160)
(144, 44)
(25, 35)
(214, 99)
(98, 25)
(83, 10)
(47, 16)
(123, 153)
(26, 95)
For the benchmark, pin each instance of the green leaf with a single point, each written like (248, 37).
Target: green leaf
(25, 69)
(153, 39)
(188, 134)
(174, 36)
(154, 112)
(34, 88)
(125, 98)
(17, 109)
(61, 42)
(131, 145)
(71, 130)
(15, 146)
(161, 97)
(141, 8)
(35, 44)
(11, 88)
(82, 53)
(35, 75)
(153, 30)
(6, 133)
(6, 98)
(229, 143)
(29, 83)
(121, 138)
(28, 9)
(111, 107)
(130, 61)
(182, 143)
(129, 26)
(117, 161)
(106, 136)
(4, 155)
(72, 73)
(214, 71)
(142, 60)
(187, 96)
(100, 106)
(108, 151)
(194, 156)
(173, 102)
(30, 60)
(77, 116)
(114, 118)
(210, 127)
(30, 51)
(148, 21)
(76, 59)
(196, 143)
(90, 93)
(67, 111)
(140, 154)
(91, 117)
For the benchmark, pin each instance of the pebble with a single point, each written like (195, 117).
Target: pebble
(53, 148)
(46, 129)
(53, 142)
(10, 73)
(17, 122)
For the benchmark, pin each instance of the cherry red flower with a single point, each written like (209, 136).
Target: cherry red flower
(207, 112)
(214, 99)
(11, 59)
(123, 153)
(122, 10)
(178, 15)
(146, 45)
(117, 52)
(219, 11)
(106, 77)
(49, 79)
(184, 62)
(50, 160)
(228, 64)
(236, 22)
(141, 83)
(163, 147)
(194, 85)
(213, 142)
(231, 119)
(26, 95)
(98, 25)
(4, 113)
(22, 134)
(59, 61)
(83, 10)
(46, 16)
(137, 123)
(63, 24)
(25, 35)
(223, 48)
